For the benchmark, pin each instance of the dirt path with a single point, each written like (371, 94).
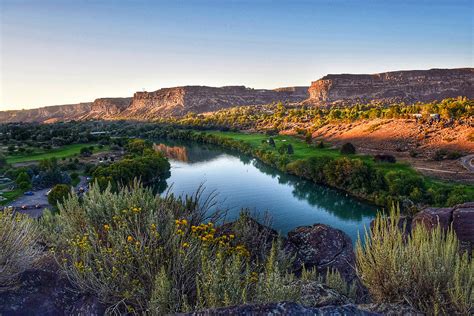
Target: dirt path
(468, 162)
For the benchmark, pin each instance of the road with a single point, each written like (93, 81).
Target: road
(468, 162)
(40, 198)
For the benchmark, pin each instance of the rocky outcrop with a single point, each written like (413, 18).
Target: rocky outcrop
(48, 114)
(322, 247)
(199, 99)
(315, 294)
(396, 86)
(44, 292)
(107, 108)
(285, 308)
(165, 102)
(460, 218)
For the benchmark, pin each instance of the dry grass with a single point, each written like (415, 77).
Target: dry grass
(19, 250)
(424, 270)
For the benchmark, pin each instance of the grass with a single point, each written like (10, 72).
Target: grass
(61, 152)
(302, 150)
(11, 196)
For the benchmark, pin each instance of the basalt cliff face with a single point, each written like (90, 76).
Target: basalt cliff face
(200, 99)
(47, 114)
(107, 108)
(345, 89)
(389, 87)
(165, 102)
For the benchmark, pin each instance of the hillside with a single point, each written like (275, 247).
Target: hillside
(345, 89)
(390, 87)
(47, 114)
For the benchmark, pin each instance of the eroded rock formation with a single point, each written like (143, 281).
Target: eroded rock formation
(396, 86)
(199, 99)
(107, 108)
(48, 114)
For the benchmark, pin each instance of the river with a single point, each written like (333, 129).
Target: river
(244, 182)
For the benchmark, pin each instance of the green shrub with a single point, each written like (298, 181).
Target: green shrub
(19, 250)
(138, 252)
(58, 193)
(335, 281)
(425, 269)
(348, 149)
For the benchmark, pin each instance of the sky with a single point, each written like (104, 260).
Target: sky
(69, 51)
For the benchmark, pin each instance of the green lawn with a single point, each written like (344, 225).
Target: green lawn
(61, 152)
(11, 196)
(303, 151)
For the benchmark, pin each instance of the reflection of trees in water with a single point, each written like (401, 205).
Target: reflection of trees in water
(331, 200)
(172, 152)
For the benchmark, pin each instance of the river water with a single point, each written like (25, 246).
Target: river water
(243, 182)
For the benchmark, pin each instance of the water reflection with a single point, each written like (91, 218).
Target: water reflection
(244, 182)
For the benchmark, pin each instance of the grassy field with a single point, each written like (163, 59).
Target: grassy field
(61, 152)
(11, 196)
(302, 150)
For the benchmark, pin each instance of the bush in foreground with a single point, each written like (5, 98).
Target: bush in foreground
(140, 252)
(19, 250)
(424, 269)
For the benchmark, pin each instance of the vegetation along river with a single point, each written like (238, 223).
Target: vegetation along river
(243, 182)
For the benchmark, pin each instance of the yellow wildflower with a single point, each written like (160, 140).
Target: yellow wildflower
(129, 238)
(185, 245)
(106, 227)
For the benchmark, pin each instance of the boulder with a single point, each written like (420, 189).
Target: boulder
(321, 247)
(257, 238)
(463, 222)
(430, 217)
(315, 294)
(285, 308)
(391, 309)
(44, 292)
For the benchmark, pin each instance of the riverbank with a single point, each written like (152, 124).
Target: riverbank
(381, 183)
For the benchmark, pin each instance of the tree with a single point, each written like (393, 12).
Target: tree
(290, 149)
(23, 181)
(3, 161)
(58, 193)
(308, 138)
(86, 152)
(271, 142)
(348, 149)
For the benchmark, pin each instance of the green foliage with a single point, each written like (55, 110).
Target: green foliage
(335, 281)
(19, 250)
(3, 161)
(424, 269)
(348, 149)
(23, 181)
(58, 193)
(150, 168)
(135, 249)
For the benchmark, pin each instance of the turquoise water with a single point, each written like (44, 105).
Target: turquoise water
(243, 182)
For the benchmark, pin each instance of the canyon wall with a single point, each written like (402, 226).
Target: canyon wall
(107, 108)
(47, 114)
(200, 99)
(389, 87)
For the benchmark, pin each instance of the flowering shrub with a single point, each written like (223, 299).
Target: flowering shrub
(140, 252)
(19, 250)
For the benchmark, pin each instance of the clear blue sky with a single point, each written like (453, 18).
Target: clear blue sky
(58, 52)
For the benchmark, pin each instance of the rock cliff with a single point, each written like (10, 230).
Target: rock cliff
(199, 99)
(47, 114)
(107, 108)
(397, 86)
